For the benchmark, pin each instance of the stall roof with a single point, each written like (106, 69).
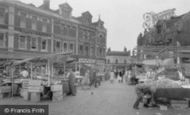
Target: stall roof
(48, 56)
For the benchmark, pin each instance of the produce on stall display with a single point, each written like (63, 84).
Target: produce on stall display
(45, 77)
(168, 86)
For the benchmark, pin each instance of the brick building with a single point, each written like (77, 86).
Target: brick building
(118, 59)
(28, 31)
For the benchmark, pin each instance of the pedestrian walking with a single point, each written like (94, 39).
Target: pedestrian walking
(86, 80)
(72, 80)
(112, 77)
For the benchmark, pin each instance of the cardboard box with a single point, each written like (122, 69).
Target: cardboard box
(34, 97)
(35, 82)
(56, 88)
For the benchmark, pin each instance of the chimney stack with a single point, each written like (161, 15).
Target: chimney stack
(46, 4)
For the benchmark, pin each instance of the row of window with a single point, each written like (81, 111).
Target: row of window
(33, 42)
(3, 15)
(116, 61)
(34, 25)
(65, 30)
(90, 51)
(85, 35)
(33, 17)
(63, 46)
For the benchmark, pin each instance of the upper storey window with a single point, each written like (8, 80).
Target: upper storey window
(34, 43)
(22, 42)
(2, 15)
(2, 40)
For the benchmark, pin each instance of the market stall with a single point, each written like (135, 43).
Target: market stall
(168, 86)
(42, 77)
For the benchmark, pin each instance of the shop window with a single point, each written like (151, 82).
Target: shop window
(2, 40)
(34, 43)
(22, 42)
(44, 45)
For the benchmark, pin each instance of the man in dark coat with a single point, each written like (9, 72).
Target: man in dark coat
(72, 80)
(141, 91)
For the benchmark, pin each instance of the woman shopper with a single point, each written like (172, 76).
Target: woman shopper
(86, 80)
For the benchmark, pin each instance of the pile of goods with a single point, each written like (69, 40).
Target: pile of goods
(167, 83)
(24, 90)
(35, 89)
(57, 92)
(5, 91)
(162, 83)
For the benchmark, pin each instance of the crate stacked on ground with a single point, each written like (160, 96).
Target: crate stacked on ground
(35, 89)
(58, 93)
(65, 87)
(24, 90)
(5, 91)
(180, 104)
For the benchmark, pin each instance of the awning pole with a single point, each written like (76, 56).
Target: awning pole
(31, 66)
(49, 72)
(12, 88)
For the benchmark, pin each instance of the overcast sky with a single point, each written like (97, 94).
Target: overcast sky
(123, 18)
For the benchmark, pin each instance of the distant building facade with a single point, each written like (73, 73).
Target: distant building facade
(151, 18)
(28, 31)
(118, 59)
(169, 38)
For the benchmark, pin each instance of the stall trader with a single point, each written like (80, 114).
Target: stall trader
(24, 73)
(144, 91)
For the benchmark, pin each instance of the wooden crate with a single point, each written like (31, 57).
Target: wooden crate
(25, 83)
(25, 94)
(58, 98)
(34, 97)
(179, 104)
(58, 93)
(5, 89)
(35, 82)
(163, 108)
(35, 89)
(56, 88)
